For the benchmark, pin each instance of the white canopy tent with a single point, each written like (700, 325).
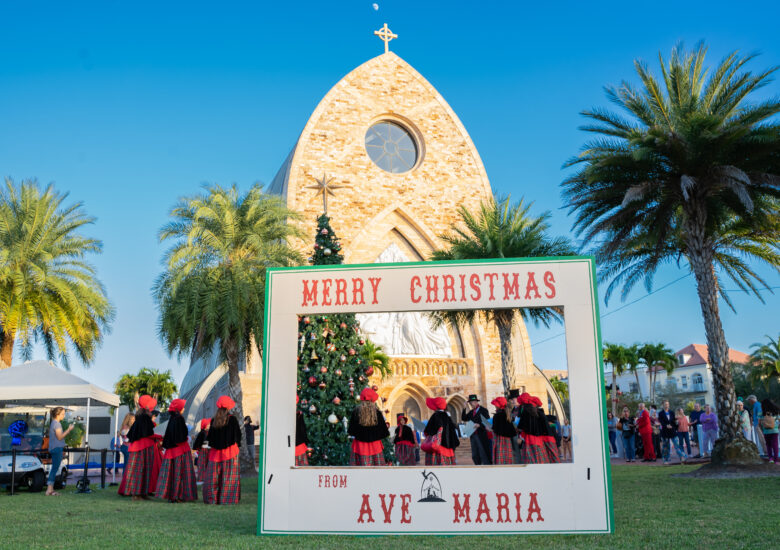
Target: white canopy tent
(40, 384)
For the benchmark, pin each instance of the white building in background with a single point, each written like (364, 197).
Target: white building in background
(692, 376)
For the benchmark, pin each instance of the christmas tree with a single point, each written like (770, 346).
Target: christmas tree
(331, 373)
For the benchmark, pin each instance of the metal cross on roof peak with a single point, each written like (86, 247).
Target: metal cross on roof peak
(325, 187)
(385, 35)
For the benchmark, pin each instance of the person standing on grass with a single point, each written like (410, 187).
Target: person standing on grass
(56, 445)
(770, 425)
(709, 425)
(754, 408)
(627, 427)
(368, 427)
(176, 482)
(745, 422)
(668, 422)
(612, 427)
(504, 431)
(201, 445)
(698, 435)
(140, 473)
(682, 430)
(223, 476)
(645, 427)
(566, 439)
(250, 430)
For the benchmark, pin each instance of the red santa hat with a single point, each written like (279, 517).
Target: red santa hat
(177, 405)
(369, 394)
(204, 424)
(535, 401)
(225, 402)
(525, 398)
(499, 402)
(147, 402)
(436, 403)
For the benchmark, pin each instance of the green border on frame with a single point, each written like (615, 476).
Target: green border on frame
(590, 260)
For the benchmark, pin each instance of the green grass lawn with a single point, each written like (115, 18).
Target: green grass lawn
(652, 510)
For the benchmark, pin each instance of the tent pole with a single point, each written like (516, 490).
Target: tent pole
(116, 434)
(88, 403)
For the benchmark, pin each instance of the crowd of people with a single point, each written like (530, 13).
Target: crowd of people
(518, 432)
(651, 433)
(163, 466)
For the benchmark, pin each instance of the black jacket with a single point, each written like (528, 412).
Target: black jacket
(225, 436)
(533, 421)
(668, 423)
(300, 429)
(200, 439)
(142, 427)
(404, 433)
(478, 416)
(368, 434)
(449, 437)
(176, 432)
(502, 426)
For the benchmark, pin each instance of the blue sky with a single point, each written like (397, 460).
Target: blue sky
(130, 105)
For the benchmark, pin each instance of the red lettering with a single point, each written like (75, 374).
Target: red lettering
(343, 481)
(309, 295)
(405, 500)
(531, 285)
(415, 282)
(357, 288)
(511, 288)
(462, 288)
(533, 508)
(431, 287)
(341, 292)
(320, 480)
(491, 277)
(474, 283)
(374, 286)
(503, 504)
(327, 481)
(483, 508)
(517, 507)
(365, 509)
(549, 282)
(387, 509)
(326, 292)
(461, 511)
(449, 285)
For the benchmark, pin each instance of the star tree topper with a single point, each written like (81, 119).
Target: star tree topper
(325, 187)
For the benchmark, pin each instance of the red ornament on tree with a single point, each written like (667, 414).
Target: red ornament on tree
(351, 351)
(323, 370)
(336, 401)
(375, 387)
(338, 372)
(312, 381)
(322, 385)
(369, 371)
(306, 320)
(343, 325)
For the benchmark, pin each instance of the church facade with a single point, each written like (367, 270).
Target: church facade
(400, 164)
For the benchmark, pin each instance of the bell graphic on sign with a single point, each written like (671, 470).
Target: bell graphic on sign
(431, 488)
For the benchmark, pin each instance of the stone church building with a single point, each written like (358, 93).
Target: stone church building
(399, 163)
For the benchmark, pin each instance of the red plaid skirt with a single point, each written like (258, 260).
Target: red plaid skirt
(406, 455)
(203, 463)
(177, 479)
(435, 459)
(366, 460)
(223, 482)
(538, 449)
(502, 450)
(302, 460)
(139, 480)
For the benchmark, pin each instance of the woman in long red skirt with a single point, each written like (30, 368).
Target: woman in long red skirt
(176, 482)
(140, 475)
(405, 442)
(202, 448)
(504, 432)
(223, 475)
(441, 438)
(367, 425)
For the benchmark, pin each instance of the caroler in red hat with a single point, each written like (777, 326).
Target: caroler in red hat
(201, 445)
(367, 425)
(441, 438)
(176, 482)
(505, 432)
(538, 441)
(405, 442)
(140, 475)
(301, 438)
(223, 474)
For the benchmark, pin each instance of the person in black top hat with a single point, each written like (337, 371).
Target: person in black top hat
(481, 449)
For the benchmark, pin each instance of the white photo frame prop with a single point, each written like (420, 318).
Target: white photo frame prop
(536, 498)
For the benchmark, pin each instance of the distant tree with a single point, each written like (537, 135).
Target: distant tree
(632, 364)
(560, 387)
(375, 357)
(765, 361)
(617, 356)
(159, 385)
(655, 357)
(48, 292)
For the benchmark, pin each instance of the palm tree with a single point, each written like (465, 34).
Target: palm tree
(617, 356)
(765, 361)
(375, 357)
(632, 364)
(690, 175)
(48, 292)
(656, 357)
(502, 230)
(159, 385)
(560, 387)
(212, 292)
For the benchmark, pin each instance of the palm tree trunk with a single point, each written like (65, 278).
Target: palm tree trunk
(7, 349)
(700, 257)
(503, 320)
(638, 385)
(237, 395)
(613, 392)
